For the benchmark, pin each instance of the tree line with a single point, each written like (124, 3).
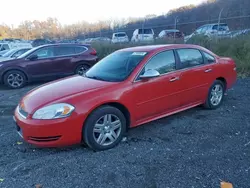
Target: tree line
(236, 13)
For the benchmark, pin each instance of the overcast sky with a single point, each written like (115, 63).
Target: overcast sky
(72, 11)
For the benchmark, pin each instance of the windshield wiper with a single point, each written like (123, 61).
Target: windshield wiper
(95, 77)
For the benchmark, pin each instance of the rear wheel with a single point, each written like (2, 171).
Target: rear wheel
(15, 79)
(215, 95)
(81, 69)
(104, 128)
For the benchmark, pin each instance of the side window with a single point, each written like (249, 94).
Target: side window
(20, 52)
(46, 52)
(5, 47)
(163, 62)
(209, 58)
(190, 57)
(64, 51)
(80, 49)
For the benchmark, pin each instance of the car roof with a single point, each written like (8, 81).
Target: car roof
(214, 24)
(63, 44)
(152, 48)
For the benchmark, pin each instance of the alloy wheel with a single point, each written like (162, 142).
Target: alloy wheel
(216, 95)
(15, 80)
(107, 129)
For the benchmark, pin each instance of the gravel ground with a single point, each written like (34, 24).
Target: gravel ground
(193, 149)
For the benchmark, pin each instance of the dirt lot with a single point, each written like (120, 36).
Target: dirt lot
(193, 149)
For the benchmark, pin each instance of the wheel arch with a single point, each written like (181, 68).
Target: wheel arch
(222, 79)
(117, 105)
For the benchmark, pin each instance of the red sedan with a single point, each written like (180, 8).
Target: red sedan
(128, 88)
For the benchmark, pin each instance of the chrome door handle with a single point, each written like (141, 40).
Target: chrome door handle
(208, 70)
(174, 79)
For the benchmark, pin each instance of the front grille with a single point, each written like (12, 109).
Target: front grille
(44, 139)
(22, 112)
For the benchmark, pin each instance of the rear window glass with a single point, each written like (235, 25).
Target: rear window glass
(172, 34)
(120, 35)
(145, 31)
(222, 27)
(80, 49)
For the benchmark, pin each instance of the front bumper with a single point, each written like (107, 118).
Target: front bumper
(50, 133)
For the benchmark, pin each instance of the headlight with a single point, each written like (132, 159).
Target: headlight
(54, 111)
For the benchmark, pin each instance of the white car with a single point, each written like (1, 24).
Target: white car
(120, 37)
(143, 35)
(12, 45)
(210, 30)
(13, 53)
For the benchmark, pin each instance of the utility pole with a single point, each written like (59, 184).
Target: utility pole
(219, 19)
(175, 24)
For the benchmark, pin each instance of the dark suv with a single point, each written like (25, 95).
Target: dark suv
(47, 62)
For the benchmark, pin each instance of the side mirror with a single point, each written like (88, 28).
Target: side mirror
(150, 74)
(33, 57)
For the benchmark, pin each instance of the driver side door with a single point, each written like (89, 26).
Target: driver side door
(157, 96)
(44, 66)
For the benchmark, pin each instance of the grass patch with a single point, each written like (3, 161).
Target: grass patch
(237, 48)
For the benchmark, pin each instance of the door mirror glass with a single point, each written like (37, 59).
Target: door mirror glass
(33, 57)
(150, 74)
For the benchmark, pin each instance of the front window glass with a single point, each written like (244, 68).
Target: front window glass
(46, 52)
(163, 62)
(116, 67)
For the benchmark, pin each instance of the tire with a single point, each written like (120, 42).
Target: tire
(218, 96)
(97, 132)
(81, 69)
(15, 79)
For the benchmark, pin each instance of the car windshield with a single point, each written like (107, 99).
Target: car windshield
(28, 52)
(116, 67)
(9, 53)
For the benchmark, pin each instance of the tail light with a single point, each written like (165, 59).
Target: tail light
(93, 52)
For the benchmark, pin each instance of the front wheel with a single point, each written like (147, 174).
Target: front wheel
(215, 95)
(104, 128)
(14, 79)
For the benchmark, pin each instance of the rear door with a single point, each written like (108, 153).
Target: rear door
(159, 95)
(66, 56)
(196, 76)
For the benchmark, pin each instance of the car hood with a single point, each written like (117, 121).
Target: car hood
(4, 59)
(51, 92)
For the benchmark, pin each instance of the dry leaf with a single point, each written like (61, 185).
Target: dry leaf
(38, 186)
(1, 180)
(19, 143)
(226, 185)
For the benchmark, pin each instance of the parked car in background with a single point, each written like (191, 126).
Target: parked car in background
(47, 62)
(3, 52)
(143, 35)
(14, 53)
(120, 37)
(171, 34)
(100, 40)
(126, 89)
(13, 45)
(210, 30)
(39, 42)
